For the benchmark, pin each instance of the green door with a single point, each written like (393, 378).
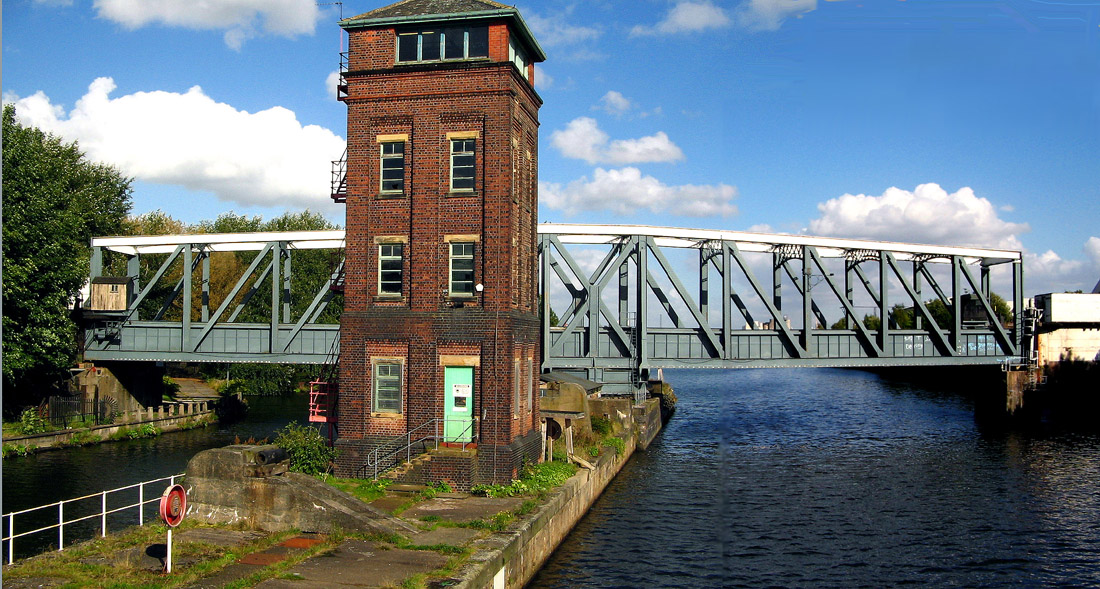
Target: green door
(458, 393)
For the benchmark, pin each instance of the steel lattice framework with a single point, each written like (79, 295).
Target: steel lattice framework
(615, 305)
(612, 327)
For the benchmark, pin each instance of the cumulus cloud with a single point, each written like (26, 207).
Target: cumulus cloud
(687, 17)
(928, 214)
(582, 139)
(543, 80)
(615, 104)
(331, 82)
(265, 158)
(240, 19)
(554, 31)
(768, 15)
(627, 191)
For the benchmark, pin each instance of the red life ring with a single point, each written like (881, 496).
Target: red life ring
(173, 505)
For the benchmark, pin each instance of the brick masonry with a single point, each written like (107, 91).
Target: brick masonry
(496, 331)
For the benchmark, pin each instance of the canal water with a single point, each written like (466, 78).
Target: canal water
(838, 478)
(60, 475)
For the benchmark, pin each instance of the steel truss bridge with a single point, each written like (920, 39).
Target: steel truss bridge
(628, 299)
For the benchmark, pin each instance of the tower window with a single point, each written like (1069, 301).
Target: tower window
(462, 269)
(393, 166)
(390, 264)
(462, 164)
(449, 44)
(387, 386)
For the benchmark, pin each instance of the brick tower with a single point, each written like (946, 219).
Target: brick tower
(440, 325)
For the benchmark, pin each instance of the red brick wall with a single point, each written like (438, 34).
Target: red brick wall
(426, 102)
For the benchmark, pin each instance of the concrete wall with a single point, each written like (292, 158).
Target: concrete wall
(1077, 343)
(165, 422)
(511, 559)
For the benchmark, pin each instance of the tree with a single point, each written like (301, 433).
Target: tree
(54, 202)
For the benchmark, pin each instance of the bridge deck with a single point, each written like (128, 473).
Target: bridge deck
(643, 298)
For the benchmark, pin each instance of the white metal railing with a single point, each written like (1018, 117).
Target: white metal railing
(9, 524)
(411, 438)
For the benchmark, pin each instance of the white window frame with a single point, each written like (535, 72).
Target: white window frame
(377, 379)
(451, 267)
(469, 148)
(383, 158)
(383, 257)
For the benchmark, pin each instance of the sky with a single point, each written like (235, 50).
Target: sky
(938, 121)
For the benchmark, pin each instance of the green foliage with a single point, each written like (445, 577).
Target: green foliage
(617, 443)
(309, 451)
(365, 489)
(171, 387)
(536, 478)
(54, 202)
(83, 438)
(600, 425)
(145, 430)
(11, 450)
(30, 422)
(435, 489)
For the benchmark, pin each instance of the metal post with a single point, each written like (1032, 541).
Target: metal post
(807, 302)
(168, 560)
(205, 286)
(103, 515)
(918, 320)
(141, 504)
(11, 538)
(884, 305)
(727, 309)
(286, 288)
(133, 271)
(276, 256)
(61, 525)
(188, 269)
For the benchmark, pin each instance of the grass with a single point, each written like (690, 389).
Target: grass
(94, 563)
(365, 489)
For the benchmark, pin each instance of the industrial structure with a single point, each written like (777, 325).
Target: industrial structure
(449, 285)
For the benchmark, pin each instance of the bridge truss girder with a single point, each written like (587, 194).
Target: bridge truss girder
(617, 340)
(204, 332)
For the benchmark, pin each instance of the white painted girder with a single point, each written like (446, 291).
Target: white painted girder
(831, 247)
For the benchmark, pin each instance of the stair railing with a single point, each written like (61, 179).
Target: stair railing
(431, 430)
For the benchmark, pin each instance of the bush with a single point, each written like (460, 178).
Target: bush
(30, 422)
(600, 425)
(536, 478)
(309, 451)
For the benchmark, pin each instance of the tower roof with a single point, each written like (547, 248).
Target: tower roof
(413, 12)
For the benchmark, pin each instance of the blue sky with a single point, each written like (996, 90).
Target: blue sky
(961, 123)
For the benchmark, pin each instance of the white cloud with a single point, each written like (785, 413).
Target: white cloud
(1092, 249)
(628, 192)
(241, 19)
(768, 15)
(615, 104)
(264, 158)
(687, 17)
(331, 82)
(543, 80)
(553, 31)
(583, 139)
(928, 214)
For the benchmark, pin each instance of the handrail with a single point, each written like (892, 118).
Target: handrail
(103, 513)
(376, 456)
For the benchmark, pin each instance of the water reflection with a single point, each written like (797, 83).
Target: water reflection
(840, 478)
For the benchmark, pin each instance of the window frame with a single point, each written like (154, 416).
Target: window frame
(383, 157)
(452, 257)
(469, 146)
(441, 35)
(382, 258)
(377, 379)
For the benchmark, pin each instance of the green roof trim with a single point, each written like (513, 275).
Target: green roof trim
(537, 54)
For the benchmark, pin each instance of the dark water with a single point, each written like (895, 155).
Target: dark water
(59, 475)
(830, 478)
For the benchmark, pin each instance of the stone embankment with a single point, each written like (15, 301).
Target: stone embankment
(165, 418)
